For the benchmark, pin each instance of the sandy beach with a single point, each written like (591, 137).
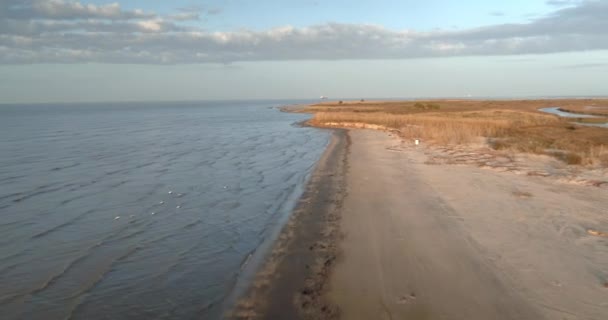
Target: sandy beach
(403, 238)
(428, 241)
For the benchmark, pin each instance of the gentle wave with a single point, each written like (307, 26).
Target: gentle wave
(139, 212)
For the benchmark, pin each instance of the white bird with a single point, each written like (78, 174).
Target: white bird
(161, 202)
(170, 192)
(178, 207)
(117, 217)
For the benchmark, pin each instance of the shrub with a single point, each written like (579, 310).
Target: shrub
(571, 158)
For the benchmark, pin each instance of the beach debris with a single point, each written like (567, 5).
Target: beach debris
(538, 173)
(162, 202)
(597, 233)
(178, 207)
(521, 194)
(170, 192)
(117, 217)
(152, 213)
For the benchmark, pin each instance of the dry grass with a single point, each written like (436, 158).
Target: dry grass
(439, 127)
(598, 109)
(512, 125)
(463, 105)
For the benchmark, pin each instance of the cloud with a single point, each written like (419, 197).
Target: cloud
(193, 13)
(213, 11)
(63, 9)
(60, 31)
(561, 3)
(185, 16)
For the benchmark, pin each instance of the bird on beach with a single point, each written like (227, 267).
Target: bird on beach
(117, 217)
(170, 192)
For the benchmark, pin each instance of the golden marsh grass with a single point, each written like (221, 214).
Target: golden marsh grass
(510, 125)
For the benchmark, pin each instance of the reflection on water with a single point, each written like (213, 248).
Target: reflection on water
(140, 211)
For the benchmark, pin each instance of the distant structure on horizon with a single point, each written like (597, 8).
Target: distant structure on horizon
(323, 97)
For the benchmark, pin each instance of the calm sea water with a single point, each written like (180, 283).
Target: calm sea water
(141, 210)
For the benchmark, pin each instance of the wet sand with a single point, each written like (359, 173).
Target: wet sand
(416, 240)
(292, 281)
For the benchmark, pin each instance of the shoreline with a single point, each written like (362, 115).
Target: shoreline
(342, 254)
(291, 282)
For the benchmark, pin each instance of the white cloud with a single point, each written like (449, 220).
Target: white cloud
(65, 9)
(150, 25)
(185, 16)
(35, 31)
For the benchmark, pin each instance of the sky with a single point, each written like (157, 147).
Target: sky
(152, 50)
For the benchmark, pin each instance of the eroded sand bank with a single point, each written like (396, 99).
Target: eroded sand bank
(425, 241)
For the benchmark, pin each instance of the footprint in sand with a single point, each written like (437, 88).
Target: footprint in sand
(407, 298)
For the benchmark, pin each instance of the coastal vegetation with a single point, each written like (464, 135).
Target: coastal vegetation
(509, 125)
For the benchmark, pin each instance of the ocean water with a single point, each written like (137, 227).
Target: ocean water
(142, 210)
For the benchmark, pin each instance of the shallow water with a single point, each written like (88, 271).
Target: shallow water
(600, 125)
(556, 111)
(564, 114)
(141, 210)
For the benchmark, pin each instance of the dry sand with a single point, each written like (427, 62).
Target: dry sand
(426, 241)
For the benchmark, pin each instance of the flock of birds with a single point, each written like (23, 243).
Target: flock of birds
(179, 195)
(160, 203)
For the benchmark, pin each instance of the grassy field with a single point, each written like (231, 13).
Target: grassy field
(506, 124)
